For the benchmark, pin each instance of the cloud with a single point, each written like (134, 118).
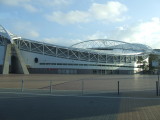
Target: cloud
(56, 2)
(69, 42)
(14, 2)
(69, 18)
(109, 12)
(25, 29)
(26, 4)
(36, 5)
(30, 8)
(33, 33)
(61, 41)
(144, 32)
(97, 35)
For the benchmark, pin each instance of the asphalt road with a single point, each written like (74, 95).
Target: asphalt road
(33, 107)
(45, 107)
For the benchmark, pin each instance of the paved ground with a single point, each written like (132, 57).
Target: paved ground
(74, 82)
(137, 99)
(46, 107)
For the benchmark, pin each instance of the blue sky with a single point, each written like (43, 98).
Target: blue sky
(66, 22)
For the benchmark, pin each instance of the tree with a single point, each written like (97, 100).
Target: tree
(153, 57)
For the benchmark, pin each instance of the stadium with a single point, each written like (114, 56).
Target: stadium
(102, 56)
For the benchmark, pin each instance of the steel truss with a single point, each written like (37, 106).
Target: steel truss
(72, 53)
(4, 36)
(105, 45)
(3, 41)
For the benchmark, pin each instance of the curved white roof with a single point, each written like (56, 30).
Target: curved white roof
(114, 46)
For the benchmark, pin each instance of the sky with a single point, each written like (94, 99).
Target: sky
(66, 22)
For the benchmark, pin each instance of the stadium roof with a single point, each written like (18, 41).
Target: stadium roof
(114, 46)
(3, 32)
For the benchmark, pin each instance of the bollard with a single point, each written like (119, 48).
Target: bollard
(157, 88)
(51, 86)
(118, 87)
(158, 85)
(82, 87)
(22, 86)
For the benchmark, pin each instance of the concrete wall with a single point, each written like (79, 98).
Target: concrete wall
(2, 52)
(15, 65)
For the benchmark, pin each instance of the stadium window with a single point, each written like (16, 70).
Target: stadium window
(42, 63)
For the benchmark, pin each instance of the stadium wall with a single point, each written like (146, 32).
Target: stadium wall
(39, 63)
